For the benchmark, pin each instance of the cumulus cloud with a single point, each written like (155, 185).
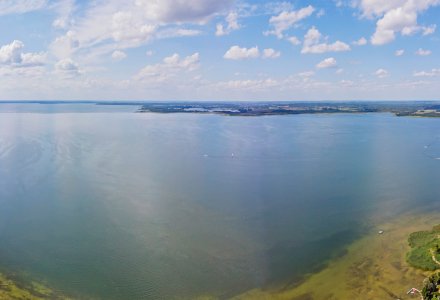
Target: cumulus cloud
(327, 63)
(118, 55)
(237, 53)
(360, 42)
(170, 67)
(294, 40)
(382, 73)
(395, 16)
(67, 68)
(313, 43)
(286, 19)
(232, 24)
(12, 55)
(399, 52)
(422, 52)
(271, 53)
(429, 30)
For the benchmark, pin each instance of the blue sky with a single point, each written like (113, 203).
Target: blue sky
(220, 50)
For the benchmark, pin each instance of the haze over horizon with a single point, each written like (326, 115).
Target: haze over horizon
(219, 50)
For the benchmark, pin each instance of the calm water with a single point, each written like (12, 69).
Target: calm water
(109, 204)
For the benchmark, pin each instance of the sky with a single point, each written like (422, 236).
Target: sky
(224, 50)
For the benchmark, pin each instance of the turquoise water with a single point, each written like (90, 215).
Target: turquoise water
(109, 204)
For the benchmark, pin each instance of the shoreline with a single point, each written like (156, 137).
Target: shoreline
(374, 267)
(19, 288)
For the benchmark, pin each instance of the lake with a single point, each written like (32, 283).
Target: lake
(101, 202)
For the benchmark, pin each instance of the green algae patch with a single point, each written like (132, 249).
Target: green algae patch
(425, 251)
(15, 289)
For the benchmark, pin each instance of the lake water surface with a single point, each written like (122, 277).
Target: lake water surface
(105, 203)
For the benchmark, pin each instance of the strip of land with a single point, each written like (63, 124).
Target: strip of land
(416, 109)
(429, 109)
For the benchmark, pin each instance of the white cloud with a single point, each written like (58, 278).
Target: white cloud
(432, 73)
(399, 52)
(129, 29)
(382, 73)
(149, 53)
(395, 16)
(220, 30)
(337, 46)
(360, 42)
(33, 59)
(179, 11)
(306, 74)
(422, 52)
(232, 24)
(67, 68)
(294, 40)
(286, 19)
(327, 63)
(312, 43)
(237, 53)
(109, 25)
(169, 68)
(118, 55)
(249, 84)
(64, 10)
(177, 32)
(339, 3)
(64, 46)
(347, 83)
(271, 53)
(372, 8)
(21, 6)
(429, 30)
(12, 55)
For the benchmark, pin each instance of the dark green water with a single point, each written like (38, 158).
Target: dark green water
(108, 204)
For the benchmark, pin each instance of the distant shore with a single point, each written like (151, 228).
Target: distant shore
(419, 109)
(429, 109)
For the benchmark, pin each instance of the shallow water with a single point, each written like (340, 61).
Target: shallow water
(116, 205)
